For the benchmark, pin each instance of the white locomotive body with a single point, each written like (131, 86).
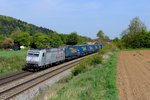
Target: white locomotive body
(44, 57)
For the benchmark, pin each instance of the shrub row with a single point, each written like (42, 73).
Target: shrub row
(87, 63)
(99, 83)
(93, 60)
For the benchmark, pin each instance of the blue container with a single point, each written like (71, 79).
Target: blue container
(82, 50)
(71, 51)
(91, 48)
(97, 46)
(100, 46)
(85, 50)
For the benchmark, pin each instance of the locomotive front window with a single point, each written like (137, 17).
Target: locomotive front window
(36, 55)
(30, 54)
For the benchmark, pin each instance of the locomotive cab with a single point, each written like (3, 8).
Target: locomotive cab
(35, 58)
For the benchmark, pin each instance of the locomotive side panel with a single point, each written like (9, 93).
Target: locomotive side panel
(55, 55)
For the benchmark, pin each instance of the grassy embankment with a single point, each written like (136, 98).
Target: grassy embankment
(11, 61)
(90, 80)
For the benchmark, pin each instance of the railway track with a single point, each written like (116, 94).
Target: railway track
(14, 76)
(19, 85)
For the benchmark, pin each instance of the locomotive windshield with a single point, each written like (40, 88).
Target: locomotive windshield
(36, 55)
(30, 54)
(33, 54)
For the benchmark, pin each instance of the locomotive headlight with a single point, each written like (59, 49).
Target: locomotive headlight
(27, 62)
(31, 62)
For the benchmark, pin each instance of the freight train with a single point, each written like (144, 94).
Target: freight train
(37, 59)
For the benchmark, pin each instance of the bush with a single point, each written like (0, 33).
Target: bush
(22, 37)
(7, 43)
(40, 40)
(11, 61)
(87, 63)
(108, 48)
(93, 60)
(12, 64)
(136, 35)
(97, 84)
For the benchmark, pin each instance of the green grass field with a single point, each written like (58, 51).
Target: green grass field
(11, 53)
(96, 84)
(11, 61)
(88, 81)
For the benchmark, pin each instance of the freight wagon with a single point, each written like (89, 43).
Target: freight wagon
(71, 51)
(82, 50)
(100, 46)
(90, 49)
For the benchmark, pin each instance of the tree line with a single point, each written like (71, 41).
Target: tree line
(13, 30)
(41, 40)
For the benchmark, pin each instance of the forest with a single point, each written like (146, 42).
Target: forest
(13, 30)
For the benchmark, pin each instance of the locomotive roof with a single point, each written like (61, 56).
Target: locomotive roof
(46, 49)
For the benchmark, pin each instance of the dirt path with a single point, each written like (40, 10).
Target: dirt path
(133, 75)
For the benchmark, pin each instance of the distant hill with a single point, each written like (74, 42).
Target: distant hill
(9, 25)
(14, 30)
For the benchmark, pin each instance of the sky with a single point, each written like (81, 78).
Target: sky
(86, 17)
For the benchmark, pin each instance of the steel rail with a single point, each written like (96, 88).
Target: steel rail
(13, 76)
(13, 91)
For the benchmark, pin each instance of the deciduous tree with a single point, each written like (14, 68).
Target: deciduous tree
(22, 37)
(135, 35)
(100, 34)
(72, 39)
(40, 40)
(7, 43)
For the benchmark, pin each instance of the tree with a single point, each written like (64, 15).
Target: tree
(40, 40)
(72, 39)
(136, 26)
(83, 39)
(117, 42)
(106, 37)
(134, 35)
(144, 39)
(64, 38)
(22, 37)
(100, 34)
(55, 40)
(7, 43)
(2, 38)
(102, 38)
(9, 25)
(16, 30)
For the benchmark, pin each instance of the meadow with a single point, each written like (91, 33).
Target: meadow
(91, 79)
(98, 83)
(12, 53)
(11, 61)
